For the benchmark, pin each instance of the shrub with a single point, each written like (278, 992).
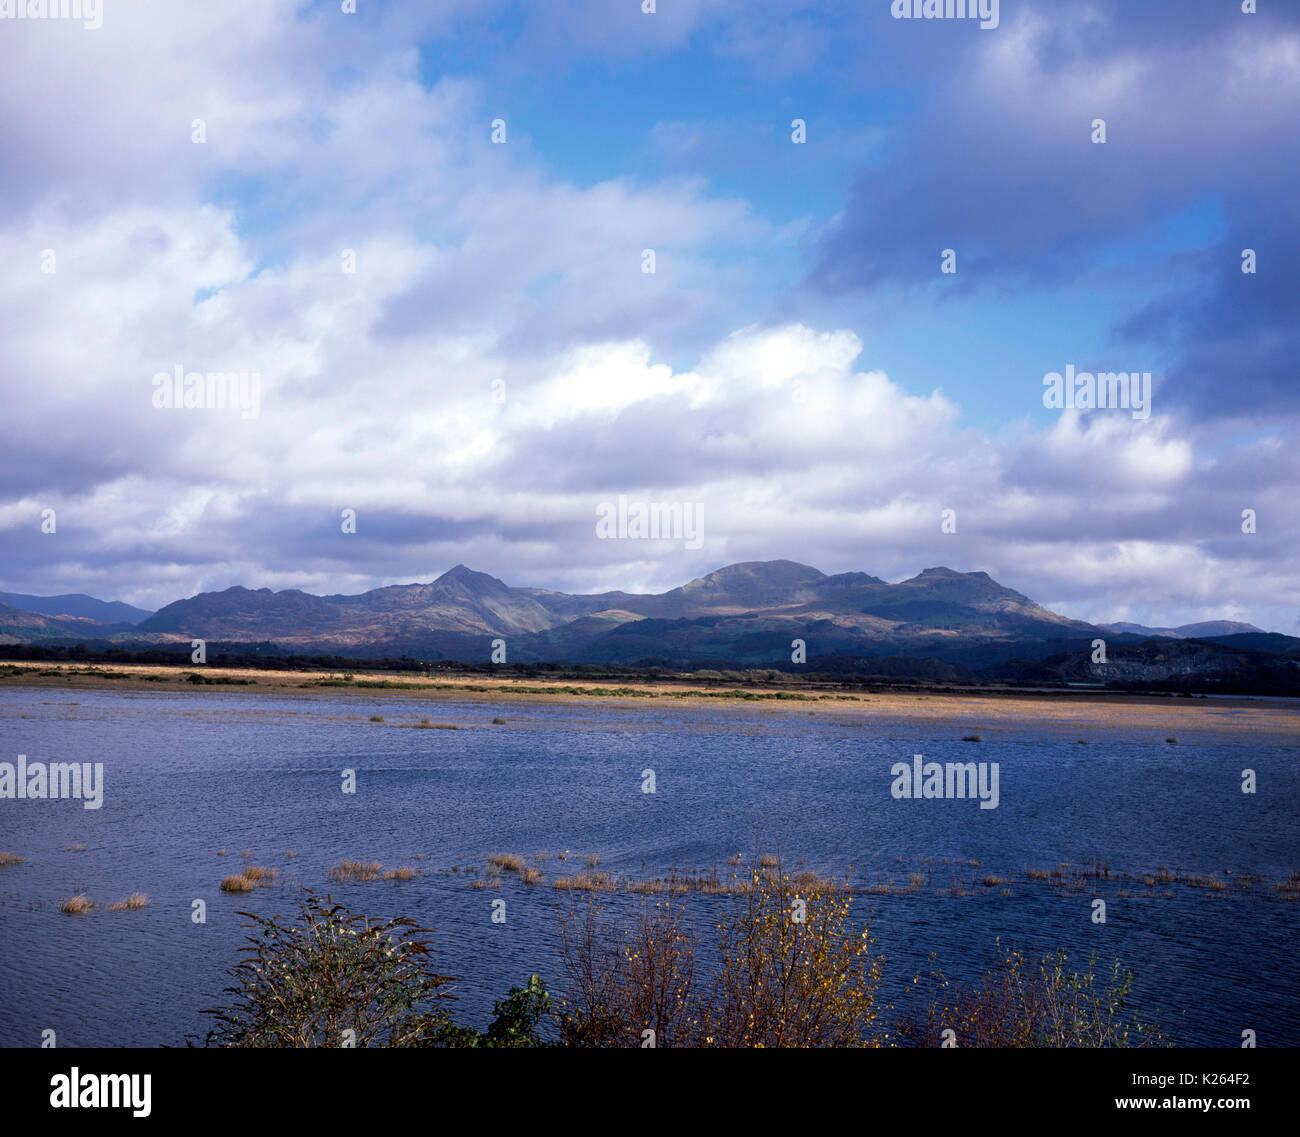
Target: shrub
(516, 1024)
(791, 971)
(629, 979)
(789, 982)
(331, 976)
(309, 982)
(1020, 1002)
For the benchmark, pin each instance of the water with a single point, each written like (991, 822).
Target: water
(190, 773)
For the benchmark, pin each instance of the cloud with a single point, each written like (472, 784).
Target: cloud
(498, 363)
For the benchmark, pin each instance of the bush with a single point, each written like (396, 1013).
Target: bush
(1023, 1003)
(628, 979)
(310, 982)
(792, 972)
(515, 1027)
(790, 982)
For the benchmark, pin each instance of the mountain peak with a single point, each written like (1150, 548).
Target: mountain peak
(461, 573)
(464, 577)
(769, 572)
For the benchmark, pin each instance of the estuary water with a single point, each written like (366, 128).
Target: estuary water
(187, 775)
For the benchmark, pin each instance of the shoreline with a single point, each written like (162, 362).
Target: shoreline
(1061, 711)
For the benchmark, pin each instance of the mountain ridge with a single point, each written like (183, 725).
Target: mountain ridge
(738, 610)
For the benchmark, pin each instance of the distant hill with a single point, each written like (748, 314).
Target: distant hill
(20, 626)
(1261, 641)
(76, 604)
(1200, 631)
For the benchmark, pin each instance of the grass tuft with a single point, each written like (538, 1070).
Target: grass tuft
(349, 870)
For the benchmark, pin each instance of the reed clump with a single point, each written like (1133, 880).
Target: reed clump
(586, 882)
(350, 870)
(248, 878)
(508, 862)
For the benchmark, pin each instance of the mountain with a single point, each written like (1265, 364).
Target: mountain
(76, 604)
(460, 600)
(1201, 631)
(938, 626)
(20, 626)
(749, 612)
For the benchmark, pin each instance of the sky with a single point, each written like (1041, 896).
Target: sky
(421, 230)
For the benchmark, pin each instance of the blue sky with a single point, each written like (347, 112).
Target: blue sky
(797, 362)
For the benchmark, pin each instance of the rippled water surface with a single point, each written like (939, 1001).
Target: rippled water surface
(189, 774)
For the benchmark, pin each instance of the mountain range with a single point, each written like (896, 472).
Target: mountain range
(743, 615)
(77, 605)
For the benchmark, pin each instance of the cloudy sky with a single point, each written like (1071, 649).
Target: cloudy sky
(187, 185)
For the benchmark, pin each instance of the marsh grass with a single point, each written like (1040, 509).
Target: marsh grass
(405, 872)
(77, 905)
(350, 870)
(133, 902)
(508, 862)
(10, 859)
(248, 878)
(587, 882)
